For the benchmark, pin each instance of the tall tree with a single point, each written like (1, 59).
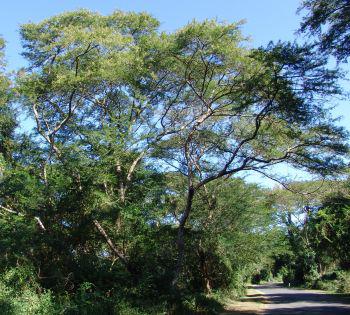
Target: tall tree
(84, 90)
(232, 109)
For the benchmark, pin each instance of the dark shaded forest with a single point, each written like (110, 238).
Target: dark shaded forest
(128, 196)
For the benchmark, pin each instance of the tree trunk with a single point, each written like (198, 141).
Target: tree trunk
(180, 237)
(121, 193)
(203, 264)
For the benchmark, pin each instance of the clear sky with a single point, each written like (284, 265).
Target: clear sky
(266, 20)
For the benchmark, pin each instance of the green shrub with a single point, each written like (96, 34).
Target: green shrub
(19, 278)
(26, 302)
(344, 282)
(327, 285)
(6, 300)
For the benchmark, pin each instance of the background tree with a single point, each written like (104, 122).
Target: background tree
(330, 228)
(314, 224)
(234, 220)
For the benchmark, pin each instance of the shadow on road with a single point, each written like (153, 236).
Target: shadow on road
(281, 300)
(240, 313)
(309, 310)
(304, 297)
(278, 300)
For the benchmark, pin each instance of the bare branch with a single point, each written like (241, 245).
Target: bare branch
(133, 166)
(40, 223)
(111, 244)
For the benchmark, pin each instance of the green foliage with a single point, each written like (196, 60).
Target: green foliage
(331, 228)
(329, 22)
(20, 294)
(344, 282)
(7, 119)
(28, 302)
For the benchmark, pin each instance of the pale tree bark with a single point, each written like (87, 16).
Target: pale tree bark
(124, 183)
(109, 241)
(36, 218)
(113, 247)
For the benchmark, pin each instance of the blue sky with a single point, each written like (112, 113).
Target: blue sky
(265, 20)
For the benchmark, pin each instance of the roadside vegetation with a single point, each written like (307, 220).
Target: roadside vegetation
(316, 235)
